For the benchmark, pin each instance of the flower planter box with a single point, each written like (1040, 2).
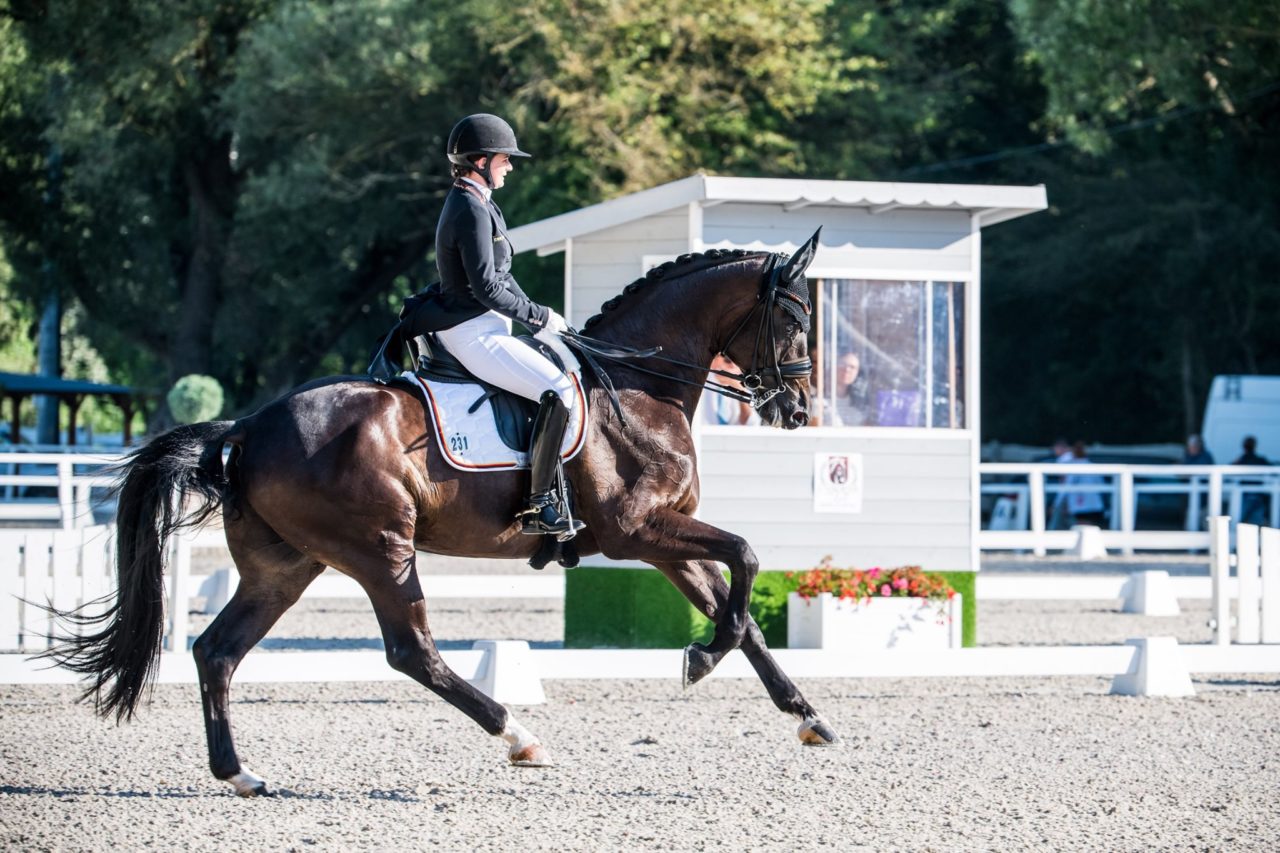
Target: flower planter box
(900, 624)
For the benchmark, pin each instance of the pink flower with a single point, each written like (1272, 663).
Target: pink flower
(874, 573)
(886, 590)
(899, 583)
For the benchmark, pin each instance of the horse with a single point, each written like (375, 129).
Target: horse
(342, 472)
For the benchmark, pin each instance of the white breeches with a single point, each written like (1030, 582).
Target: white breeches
(486, 347)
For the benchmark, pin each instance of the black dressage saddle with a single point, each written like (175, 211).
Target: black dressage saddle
(512, 414)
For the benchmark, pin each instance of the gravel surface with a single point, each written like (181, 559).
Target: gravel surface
(993, 764)
(926, 764)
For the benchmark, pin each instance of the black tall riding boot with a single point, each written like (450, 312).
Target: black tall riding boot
(542, 514)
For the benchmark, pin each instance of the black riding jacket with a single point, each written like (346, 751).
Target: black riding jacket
(473, 256)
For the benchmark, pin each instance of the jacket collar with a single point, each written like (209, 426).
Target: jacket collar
(484, 191)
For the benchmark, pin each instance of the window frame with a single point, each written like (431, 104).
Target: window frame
(817, 274)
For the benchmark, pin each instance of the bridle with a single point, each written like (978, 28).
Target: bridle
(752, 380)
(766, 339)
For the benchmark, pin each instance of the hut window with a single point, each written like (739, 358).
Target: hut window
(891, 353)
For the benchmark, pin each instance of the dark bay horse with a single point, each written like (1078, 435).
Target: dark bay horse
(341, 472)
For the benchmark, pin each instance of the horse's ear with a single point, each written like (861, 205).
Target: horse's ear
(802, 258)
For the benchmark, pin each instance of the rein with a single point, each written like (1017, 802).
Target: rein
(766, 337)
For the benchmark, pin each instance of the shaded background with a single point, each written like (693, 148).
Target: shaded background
(248, 188)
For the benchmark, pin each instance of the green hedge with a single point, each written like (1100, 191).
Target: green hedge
(640, 609)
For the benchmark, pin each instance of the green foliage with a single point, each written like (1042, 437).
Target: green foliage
(1107, 62)
(637, 93)
(195, 398)
(246, 188)
(1137, 287)
(17, 351)
(920, 82)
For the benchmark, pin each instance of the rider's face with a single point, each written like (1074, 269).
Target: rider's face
(498, 169)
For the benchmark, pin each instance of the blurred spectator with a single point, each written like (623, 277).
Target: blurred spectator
(1077, 506)
(1251, 455)
(1061, 450)
(853, 401)
(1255, 508)
(1195, 453)
(719, 409)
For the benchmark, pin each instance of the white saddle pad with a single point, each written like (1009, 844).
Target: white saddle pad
(469, 441)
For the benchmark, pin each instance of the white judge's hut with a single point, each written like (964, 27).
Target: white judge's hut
(889, 474)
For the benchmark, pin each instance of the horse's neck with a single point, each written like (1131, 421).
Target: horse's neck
(686, 317)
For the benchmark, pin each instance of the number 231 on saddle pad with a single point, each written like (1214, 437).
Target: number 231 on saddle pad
(467, 433)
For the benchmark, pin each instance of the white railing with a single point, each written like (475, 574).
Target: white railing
(1020, 516)
(67, 479)
(1023, 495)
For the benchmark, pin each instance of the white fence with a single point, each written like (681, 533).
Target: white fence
(52, 487)
(64, 569)
(1257, 583)
(67, 569)
(1022, 496)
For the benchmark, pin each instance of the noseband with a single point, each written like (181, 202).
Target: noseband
(753, 380)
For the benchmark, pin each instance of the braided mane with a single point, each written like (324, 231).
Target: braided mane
(682, 265)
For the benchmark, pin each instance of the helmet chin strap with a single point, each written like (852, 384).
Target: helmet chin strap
(485, 171)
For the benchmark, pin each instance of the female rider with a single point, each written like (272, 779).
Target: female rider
(479, 298)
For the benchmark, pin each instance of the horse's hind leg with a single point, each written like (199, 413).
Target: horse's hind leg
(272, 577)
(700, 581)
(402, 614)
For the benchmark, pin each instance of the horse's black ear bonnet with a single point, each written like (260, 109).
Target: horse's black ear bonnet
(795, 300)
(792, 295)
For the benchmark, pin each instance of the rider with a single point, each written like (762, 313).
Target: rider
(479, 298)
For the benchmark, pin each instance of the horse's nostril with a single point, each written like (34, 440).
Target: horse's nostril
(799, 418)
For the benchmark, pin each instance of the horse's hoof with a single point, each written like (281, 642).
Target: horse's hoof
(532, 755)
(247, 784)
(815, 732)
(698, 663)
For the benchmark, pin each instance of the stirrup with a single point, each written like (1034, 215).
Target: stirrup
(543, 518)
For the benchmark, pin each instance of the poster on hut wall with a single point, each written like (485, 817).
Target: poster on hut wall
(837, 482)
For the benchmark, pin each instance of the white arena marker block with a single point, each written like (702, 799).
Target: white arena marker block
(217, 589)
(1158, 670)
(1088, 542)
(508, 673)
(1151, 594)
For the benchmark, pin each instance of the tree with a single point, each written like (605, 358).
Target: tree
(628, 94)
(1152, 272)
(1107, 63)
(922, 82)
(251, 185)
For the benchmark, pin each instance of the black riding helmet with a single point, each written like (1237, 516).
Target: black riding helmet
(484, 135)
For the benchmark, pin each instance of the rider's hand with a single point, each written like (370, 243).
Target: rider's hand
(555, 323)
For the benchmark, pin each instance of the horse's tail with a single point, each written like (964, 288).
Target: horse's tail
(155, 484)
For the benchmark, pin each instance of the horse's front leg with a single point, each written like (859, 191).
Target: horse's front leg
(669, 537)
(703, 584)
